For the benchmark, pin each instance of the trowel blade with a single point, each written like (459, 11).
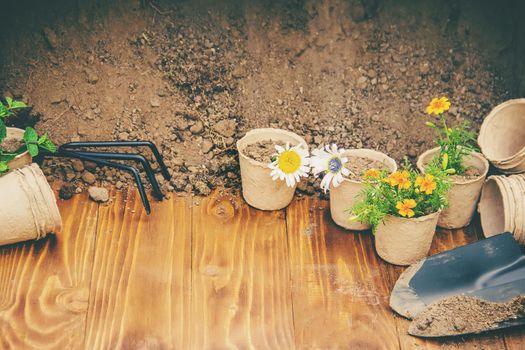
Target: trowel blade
(491, 269)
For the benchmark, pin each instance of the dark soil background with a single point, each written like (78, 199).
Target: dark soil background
(194, 76)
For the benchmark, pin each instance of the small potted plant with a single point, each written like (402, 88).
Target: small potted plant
(403, 209)
(17, 146)
(272, 162)
(457, 154)
(343, 174)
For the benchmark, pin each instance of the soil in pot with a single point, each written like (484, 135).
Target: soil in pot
(262, 151)
(470, 173)
(358, 165)
(11, 144)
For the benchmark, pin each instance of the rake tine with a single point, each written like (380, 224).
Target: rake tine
(151, 145)
(157, 192)
(132, 170)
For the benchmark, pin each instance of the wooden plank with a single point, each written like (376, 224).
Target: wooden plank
(140, 290)
(44, 285)
(241, 292)
(444, 240)
(339, 293)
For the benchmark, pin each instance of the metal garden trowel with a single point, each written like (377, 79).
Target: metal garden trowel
(489, 272)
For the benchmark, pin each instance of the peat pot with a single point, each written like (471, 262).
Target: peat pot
(502, 206)
(20, 160)
(258, 188)
(502, 136)
(28, 208)
(404, 241)
(344, 196)
(463, 195)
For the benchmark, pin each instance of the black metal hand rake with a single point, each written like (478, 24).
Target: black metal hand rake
(77, 150)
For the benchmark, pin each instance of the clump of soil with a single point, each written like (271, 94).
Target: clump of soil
(358, 165)
(471, 173)
(262, 151)
(461, 314)
(11, 144)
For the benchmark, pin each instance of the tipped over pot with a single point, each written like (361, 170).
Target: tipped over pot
(258, 188)
(502, 206)
(502, 136)
(464, 194)
(403, 241)
(28, 208)
(14, 140)
(343, 197)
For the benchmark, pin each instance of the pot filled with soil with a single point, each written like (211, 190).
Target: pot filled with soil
(404, 241)
(403, 209)
(502, 136)
(465, 190)
(28, 208)
(12, 143)
(264, 186)
(343, 196)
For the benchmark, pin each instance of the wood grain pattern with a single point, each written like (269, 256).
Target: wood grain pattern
(340, 297)
(140, 288)
(217, 275)
(44, 285)
(241, 291)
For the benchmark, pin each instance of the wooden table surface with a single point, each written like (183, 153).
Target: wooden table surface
(212, 275)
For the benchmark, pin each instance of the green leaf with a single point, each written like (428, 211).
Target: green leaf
(3, 131)
(18, 104)
(6, 157)
(9, 101)
(46, 143)
(4, 112)
(30, 135)
(3, 167)
(33, 149)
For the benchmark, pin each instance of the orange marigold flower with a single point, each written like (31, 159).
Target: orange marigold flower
(438, 105)
(405, 207)
(426, 184)
(371, 173)
(399, 179)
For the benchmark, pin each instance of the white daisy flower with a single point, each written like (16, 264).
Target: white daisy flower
(330, 161)
(290, 164)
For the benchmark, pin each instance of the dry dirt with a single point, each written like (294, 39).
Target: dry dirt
(194, 76)
(461, 314)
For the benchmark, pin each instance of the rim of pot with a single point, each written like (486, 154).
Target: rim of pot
(386, 159)
(418, 218)
(421, 165)
(21, 133)
(241, 146)
(492, 114)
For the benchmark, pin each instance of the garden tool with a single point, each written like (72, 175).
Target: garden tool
(491, 269)
(78, 150)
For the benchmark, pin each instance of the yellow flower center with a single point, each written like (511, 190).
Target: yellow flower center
(289, 162)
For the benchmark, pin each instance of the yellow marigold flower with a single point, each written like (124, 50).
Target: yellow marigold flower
(426, 184)
(371, 173)
(405, 208)
(399, 179)
(438, 105)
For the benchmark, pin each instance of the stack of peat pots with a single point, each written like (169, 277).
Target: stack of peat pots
(502, 206)
(502, 141)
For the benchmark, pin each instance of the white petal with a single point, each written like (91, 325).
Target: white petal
(345, 171)
(279, 149)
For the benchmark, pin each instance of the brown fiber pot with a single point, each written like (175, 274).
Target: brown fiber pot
(28, 208)
(258, 188)
(403, 241)
(20, 160)
(343, 197)
(502, 136)
(463, 195)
